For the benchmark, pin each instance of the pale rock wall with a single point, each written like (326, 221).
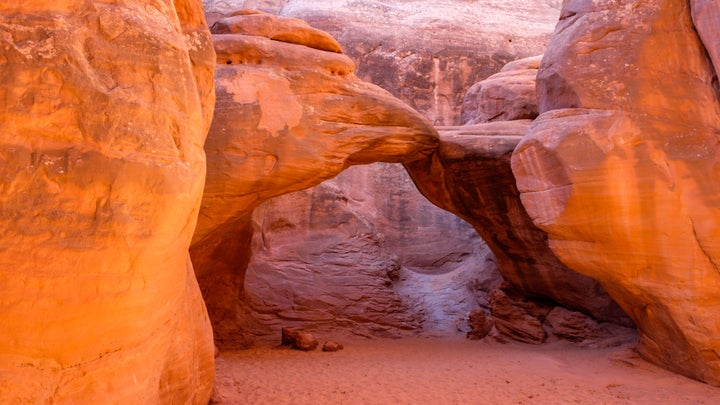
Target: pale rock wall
(427, 54)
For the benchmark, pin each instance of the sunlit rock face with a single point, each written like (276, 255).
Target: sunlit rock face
(290, 113)
(105, 109)
(332, 261)
(470, 175)
(427, 54)
(621, 167)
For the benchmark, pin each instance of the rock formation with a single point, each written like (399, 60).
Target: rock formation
(106, 105)
(331, 261)
(470, 175)
(505, 96)
(402, 59)
(332, 346)
(298, 340)
(521, 320)
(620, 169)
(427, 54)
(290, 113)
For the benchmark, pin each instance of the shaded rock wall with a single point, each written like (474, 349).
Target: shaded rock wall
(330, 260)
(620, 169)
(105, 109)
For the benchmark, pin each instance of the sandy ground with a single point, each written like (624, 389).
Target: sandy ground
(442, 371)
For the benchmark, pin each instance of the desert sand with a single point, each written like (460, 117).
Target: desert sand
(451, 371)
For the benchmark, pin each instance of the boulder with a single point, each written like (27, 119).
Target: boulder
(299, 340)
(505, 96)
(480, 323)
(620, 168)
(106, 105)
(521, 321)
(332, 346)
(290, 113)
(572, 325)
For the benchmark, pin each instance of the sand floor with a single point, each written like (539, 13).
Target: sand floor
(442, 371)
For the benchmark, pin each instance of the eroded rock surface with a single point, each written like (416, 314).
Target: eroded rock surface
(505, 96)
(427, 54)
(330, 260)
(105, 109)
(620, 169)
(470, 175)
(517, 321)
(290, 113)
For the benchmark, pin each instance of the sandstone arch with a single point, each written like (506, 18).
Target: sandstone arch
(290, 113)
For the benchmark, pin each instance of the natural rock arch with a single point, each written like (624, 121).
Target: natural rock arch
(290, 113)
(253, 155)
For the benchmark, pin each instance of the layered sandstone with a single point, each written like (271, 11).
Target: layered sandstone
(620, 169)
(106, 106)
(331, 261)
(290, 113)
(427, 54)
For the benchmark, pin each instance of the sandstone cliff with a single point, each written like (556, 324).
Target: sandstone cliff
(620, 169)
(106, 105)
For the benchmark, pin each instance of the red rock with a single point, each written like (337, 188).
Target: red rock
(470, 175)
(706, 19)
(331, 346)
(288, 116)
(427, 54)
(480, 323)
(105, 107)
(272, 261)
(320, 267)
(620, 169)
(290, 30)
(505, 96)
(329, 260)
(515, 321)
(299, 340)
(572, 325)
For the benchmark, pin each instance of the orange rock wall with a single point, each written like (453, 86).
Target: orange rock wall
(105, 109)
(621, 167)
